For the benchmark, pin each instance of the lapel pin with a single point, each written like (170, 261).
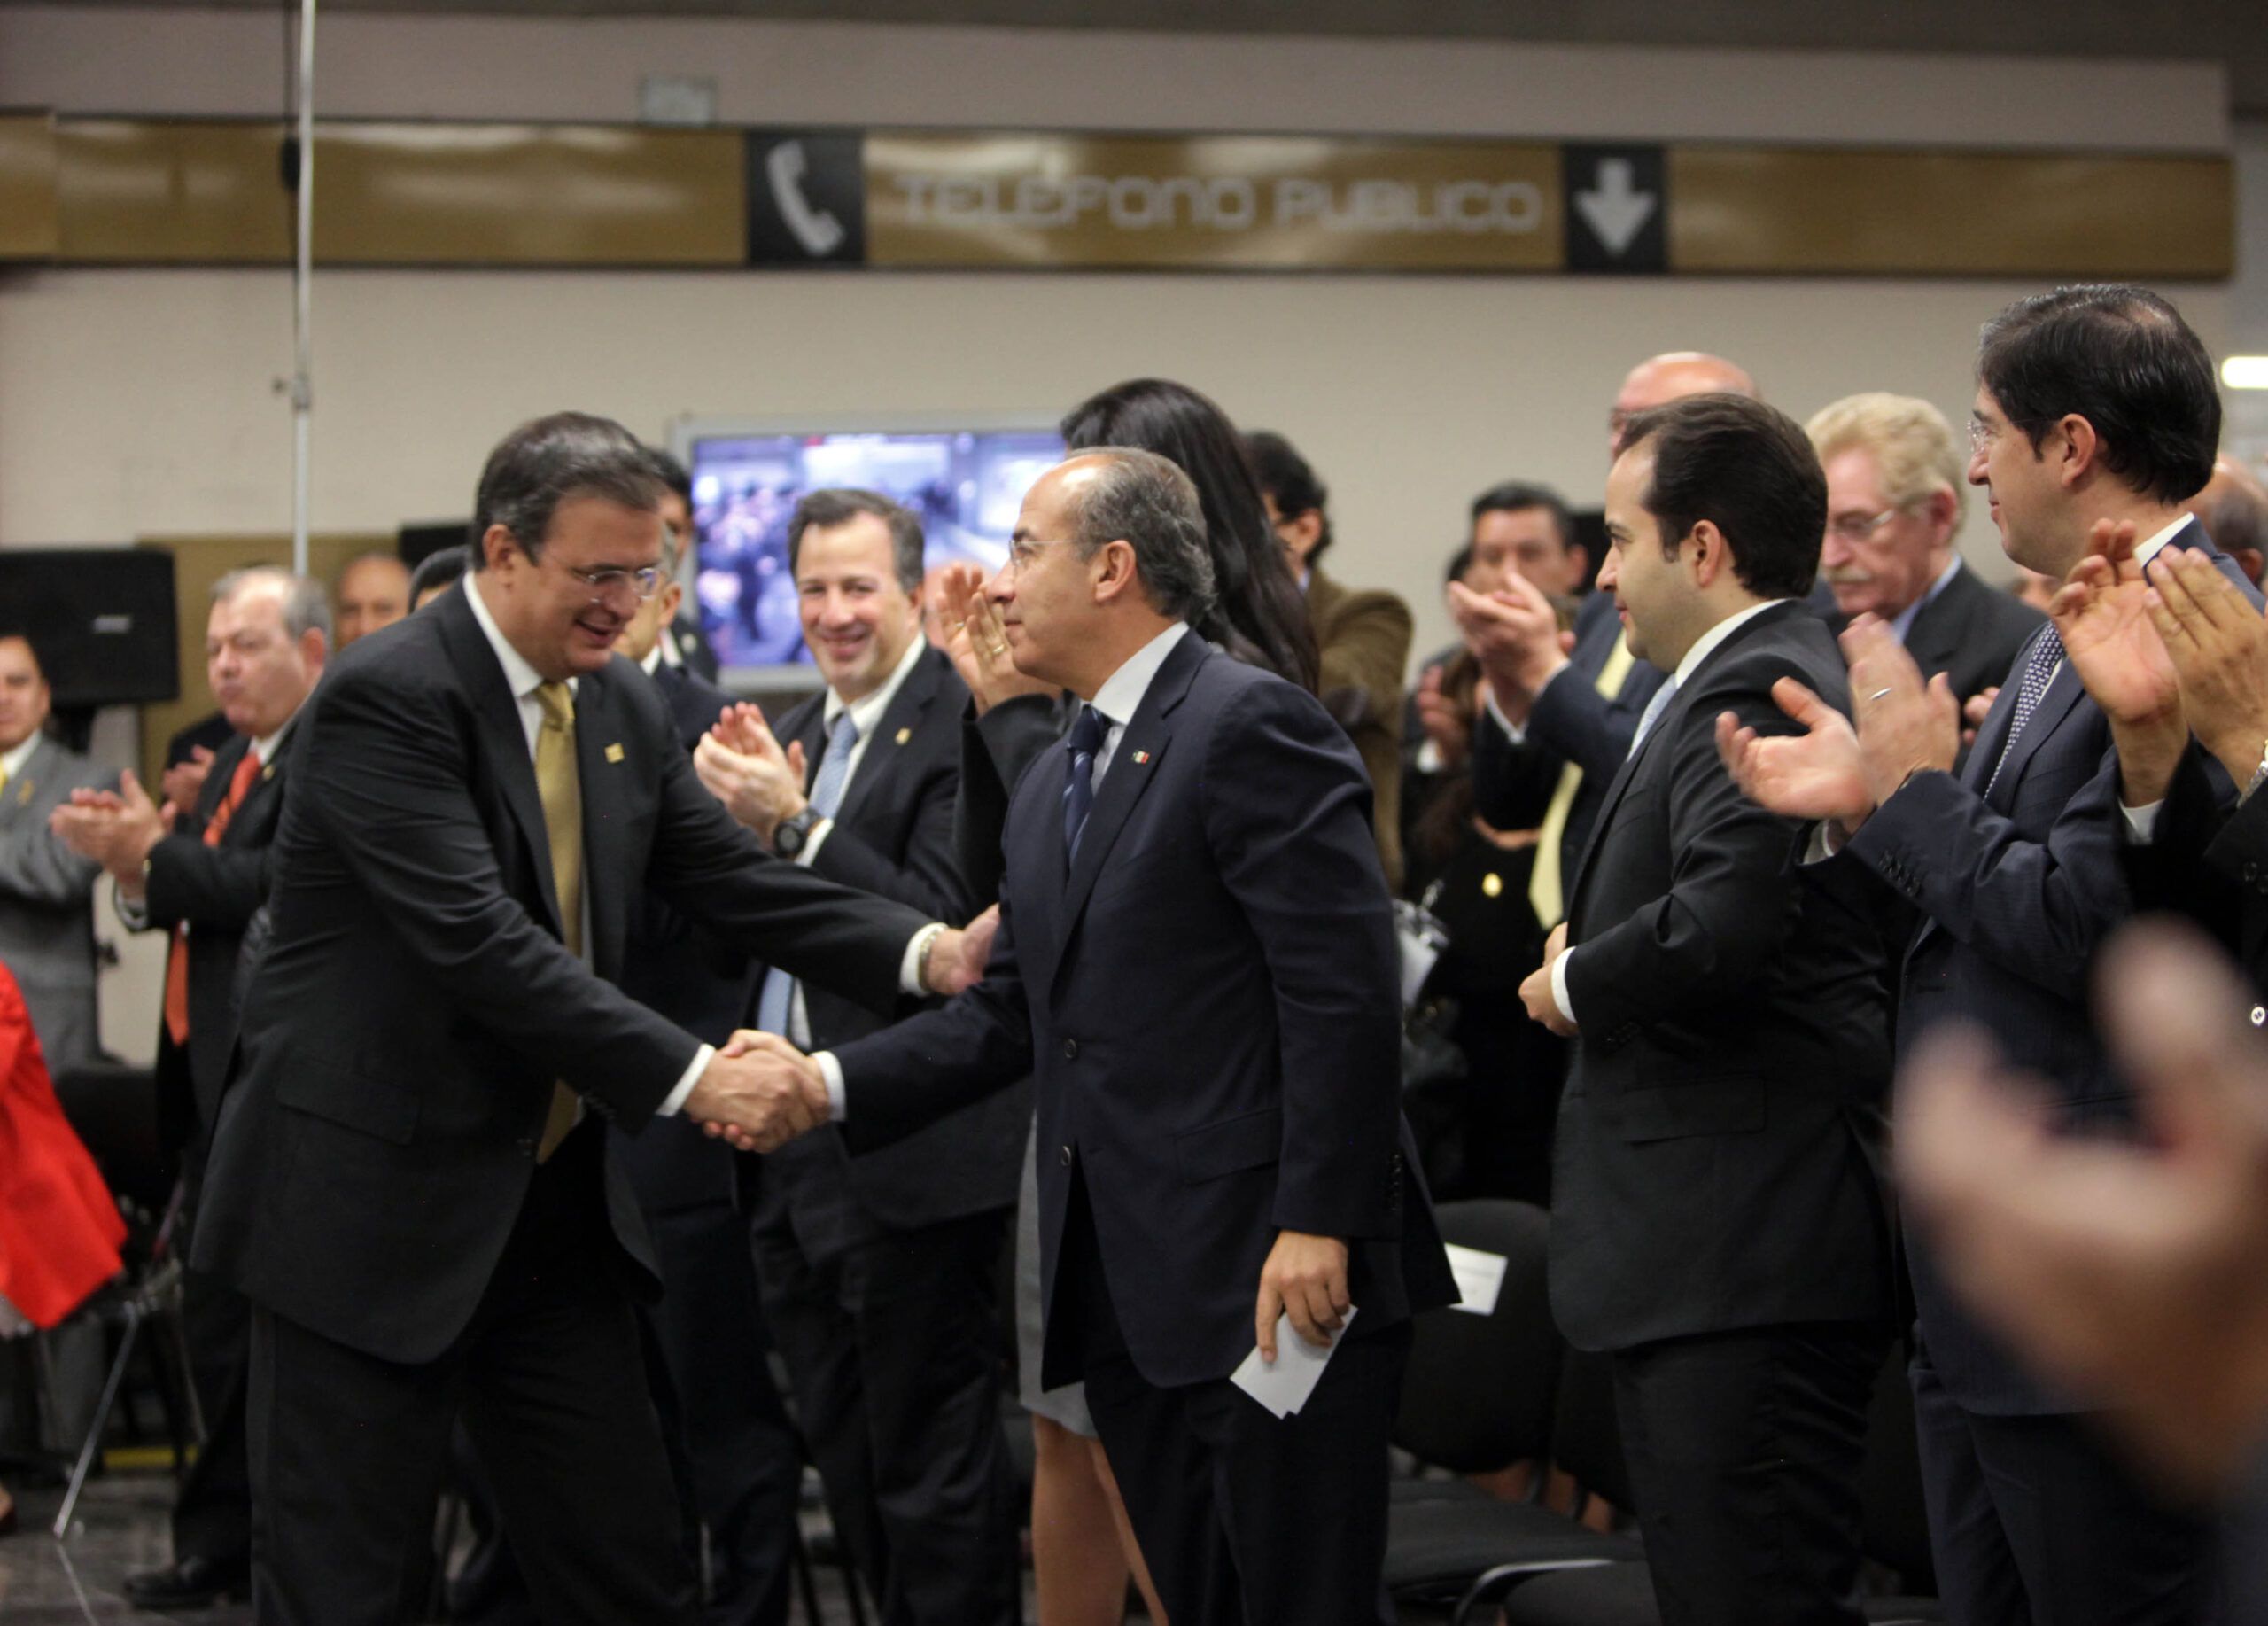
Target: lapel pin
(267, 770)
(1141, 756)
(904, 734)
(24, 795)
(614, 754)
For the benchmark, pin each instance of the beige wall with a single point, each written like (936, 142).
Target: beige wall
(139, 402)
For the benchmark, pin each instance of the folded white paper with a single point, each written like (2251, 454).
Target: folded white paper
(1480, 1278)
(1284, 1387)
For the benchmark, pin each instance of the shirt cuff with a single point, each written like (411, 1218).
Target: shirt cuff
(133, 913)
(909, 969)
(674, 1101)
(1822, 844)
(1429, 758)
(1559, 986)
(814, 839)
(2142, 823)
(1518, 734)
(831, 1070)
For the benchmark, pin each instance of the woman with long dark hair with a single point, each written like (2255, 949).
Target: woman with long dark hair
(1257, 616)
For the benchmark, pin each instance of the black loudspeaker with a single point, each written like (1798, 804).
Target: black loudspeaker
(101, 619)
(417, 542)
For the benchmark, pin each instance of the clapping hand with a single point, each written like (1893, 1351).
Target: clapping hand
(957, 958)
(1514, 633)
(2218, 647)
(760, 1093)
(2108, 636)
(743, 766)
(1447, 724)
(977, 640)
(2135, 1273)
(184, 781)
(117, 829)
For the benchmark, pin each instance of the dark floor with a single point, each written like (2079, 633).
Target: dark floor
(120, 1526)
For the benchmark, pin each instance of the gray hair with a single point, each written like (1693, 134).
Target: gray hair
(305, 602)
(1148, 502)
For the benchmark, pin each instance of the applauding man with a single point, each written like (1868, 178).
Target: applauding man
(2095, 415)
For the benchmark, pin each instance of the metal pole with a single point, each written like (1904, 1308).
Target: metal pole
(302, 278)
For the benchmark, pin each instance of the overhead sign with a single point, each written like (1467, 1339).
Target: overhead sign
(118, 191)
(1201, 202)
(1618, 208)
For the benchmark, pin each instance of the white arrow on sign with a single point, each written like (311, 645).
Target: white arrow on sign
(1614, 206)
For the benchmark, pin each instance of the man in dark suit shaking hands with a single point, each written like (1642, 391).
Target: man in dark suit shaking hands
(405, 1181)
(1716, 1224)
(1196, 960)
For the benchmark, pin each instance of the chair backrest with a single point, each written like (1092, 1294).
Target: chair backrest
(114, 1109)
(1478, 1392)
(1894, 1527)
(1585, 1440)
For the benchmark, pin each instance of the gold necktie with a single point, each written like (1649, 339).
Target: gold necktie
(557, 782)
(1544, 884)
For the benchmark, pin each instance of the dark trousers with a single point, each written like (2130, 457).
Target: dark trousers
(2033, 1522)
(348, 1451)
(211, 1515)
(1246, 1519)
(1743, 1450)
(732, 1451)
(893, 1345)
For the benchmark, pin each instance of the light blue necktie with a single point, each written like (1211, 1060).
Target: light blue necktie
(779, 995)
(1653, 714)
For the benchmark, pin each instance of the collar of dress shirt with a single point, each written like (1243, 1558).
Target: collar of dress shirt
(2147, 550)
(1706, 643)
(652, 663)
(1121, 694)
(12, 763)
(522, 679)
(1902, 623)
(866, 712)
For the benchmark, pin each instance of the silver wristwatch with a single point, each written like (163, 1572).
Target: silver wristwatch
(2259, 777)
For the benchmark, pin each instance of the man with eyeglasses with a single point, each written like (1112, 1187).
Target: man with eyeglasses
(1896, 497)
(406, 1181)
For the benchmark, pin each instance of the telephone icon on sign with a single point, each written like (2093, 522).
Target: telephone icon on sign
(817, 229)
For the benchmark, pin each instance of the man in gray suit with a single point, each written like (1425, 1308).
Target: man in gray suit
(47, 931)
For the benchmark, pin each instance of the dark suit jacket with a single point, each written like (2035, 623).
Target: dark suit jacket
(1209, 1000)
(1363, 638)
(217, 890)
(1714, 1169)
(2208, 860)
(415, 1003)
(1972, 632)
(995, 749)
(893, 837)
(2017, 889)
(1571, 722)
(695, 979)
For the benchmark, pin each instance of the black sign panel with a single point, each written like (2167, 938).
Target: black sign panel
(1618, 208)
(806, 198)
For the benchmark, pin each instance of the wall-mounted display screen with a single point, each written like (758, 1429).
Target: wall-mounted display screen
(966, 485)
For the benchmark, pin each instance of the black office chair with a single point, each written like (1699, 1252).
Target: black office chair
(112, 1109)
(1480, 1392)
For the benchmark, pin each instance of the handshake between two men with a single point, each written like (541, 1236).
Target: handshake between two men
(760, 1093)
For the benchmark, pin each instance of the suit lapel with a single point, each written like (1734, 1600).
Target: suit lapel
(902, 718)
(2063, 692)
(498, 716)
(1133, 766)
(1935, 638)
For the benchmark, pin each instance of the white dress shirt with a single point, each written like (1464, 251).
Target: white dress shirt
(11, 763)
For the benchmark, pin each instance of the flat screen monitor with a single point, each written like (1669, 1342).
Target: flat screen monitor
(964, 480)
